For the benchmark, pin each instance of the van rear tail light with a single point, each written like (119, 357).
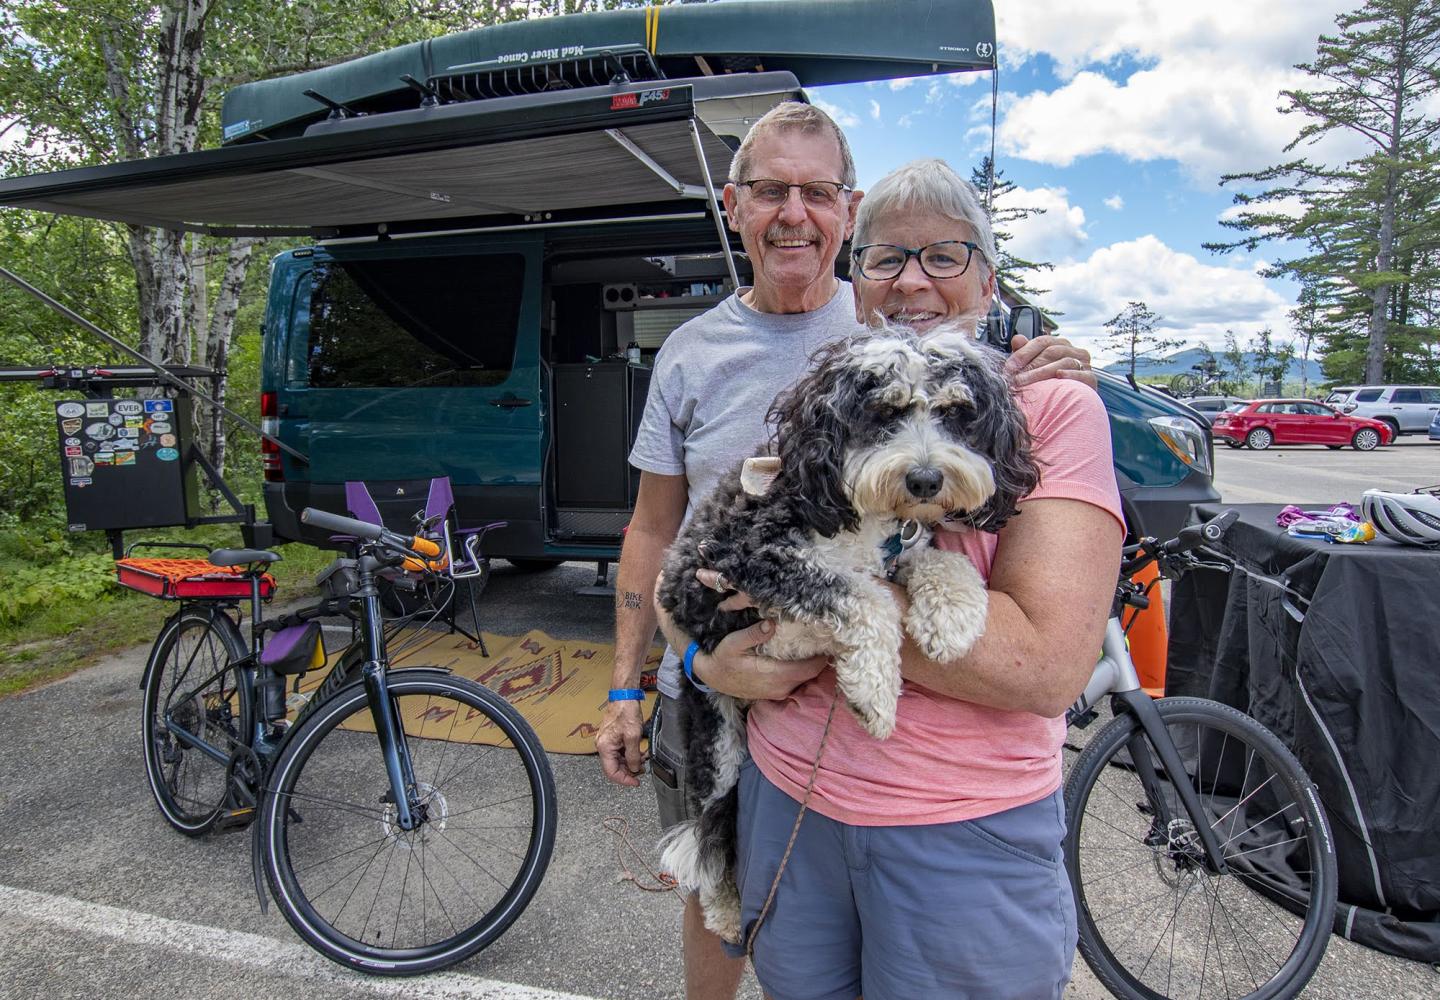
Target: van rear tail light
(269, 450)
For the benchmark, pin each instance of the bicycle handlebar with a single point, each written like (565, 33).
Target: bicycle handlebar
(326, 521)
(1147, 550)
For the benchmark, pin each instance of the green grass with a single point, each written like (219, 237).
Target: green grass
(61, 609)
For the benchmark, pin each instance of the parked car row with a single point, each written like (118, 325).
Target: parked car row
(1406, 409)
(1257, 424)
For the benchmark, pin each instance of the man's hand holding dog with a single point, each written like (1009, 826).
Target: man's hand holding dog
(735, 668)
(1032, 361)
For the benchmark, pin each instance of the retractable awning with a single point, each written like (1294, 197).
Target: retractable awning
(520, 156)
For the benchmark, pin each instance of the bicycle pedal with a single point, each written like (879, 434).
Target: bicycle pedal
(237, 819)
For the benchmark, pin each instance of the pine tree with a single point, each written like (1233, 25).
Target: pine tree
(1003, 216)
(1359, 221)
(1132, 336)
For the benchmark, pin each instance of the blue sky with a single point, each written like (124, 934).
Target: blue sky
(1119, 116)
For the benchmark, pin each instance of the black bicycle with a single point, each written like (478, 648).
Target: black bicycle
(403, 819)
(1198, 852)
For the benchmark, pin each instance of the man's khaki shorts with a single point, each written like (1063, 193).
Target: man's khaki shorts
(667, 760)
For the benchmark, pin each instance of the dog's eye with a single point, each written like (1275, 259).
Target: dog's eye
(956, 414)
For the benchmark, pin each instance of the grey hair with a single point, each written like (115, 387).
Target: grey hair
(929, 185)
(793, 116)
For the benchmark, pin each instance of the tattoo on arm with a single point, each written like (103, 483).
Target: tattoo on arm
(630, 599)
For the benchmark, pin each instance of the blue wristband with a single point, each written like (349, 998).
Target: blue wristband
(626, 694)
(689, 664)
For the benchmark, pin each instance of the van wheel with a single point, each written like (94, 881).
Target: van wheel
(534, 565)
(1365, 439)
(1394, 429)
(1259, 439)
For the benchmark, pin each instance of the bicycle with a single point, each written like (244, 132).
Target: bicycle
(1179, 864)
(390, 839)
(1199, 380)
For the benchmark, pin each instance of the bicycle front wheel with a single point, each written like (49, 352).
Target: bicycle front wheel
(380, 899)
(1153, 921)
(197, 712)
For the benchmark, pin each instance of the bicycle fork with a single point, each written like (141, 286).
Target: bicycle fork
(1153, 734)
(385, 712)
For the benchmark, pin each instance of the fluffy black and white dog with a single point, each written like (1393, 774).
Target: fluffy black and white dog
(887, 435)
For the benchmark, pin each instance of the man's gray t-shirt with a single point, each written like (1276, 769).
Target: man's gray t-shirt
(714, 380)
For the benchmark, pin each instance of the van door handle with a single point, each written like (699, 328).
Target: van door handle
(510, 401)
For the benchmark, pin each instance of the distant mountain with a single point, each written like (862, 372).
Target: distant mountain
(1185, 360)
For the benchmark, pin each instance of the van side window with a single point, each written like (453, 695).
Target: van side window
(1405, 396)
(1367, 395)
(414, 321)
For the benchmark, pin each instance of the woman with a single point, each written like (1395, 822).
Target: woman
(929, 864)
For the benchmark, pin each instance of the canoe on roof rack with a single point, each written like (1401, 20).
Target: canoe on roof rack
(819, 41)
(503, 127)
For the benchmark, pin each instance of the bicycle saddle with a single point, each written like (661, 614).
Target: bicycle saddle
(242, 557)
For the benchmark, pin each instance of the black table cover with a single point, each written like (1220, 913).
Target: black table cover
(1336, 649)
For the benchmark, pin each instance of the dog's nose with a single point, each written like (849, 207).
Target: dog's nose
(924, 483)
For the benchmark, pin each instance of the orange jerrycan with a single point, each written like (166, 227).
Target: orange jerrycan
(1149, 636)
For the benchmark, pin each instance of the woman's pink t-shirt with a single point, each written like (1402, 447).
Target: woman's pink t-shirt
(948, 760)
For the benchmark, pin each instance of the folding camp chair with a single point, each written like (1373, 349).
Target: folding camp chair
(460, 548)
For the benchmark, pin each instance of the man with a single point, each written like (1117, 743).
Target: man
(791, 198)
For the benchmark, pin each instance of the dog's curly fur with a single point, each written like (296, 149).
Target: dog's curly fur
(884, 429)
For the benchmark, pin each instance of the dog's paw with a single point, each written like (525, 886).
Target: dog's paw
(877, 720)
(947, 605)
(721, 907)
(871, 687)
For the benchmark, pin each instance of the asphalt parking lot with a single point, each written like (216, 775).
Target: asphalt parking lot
(99, 898)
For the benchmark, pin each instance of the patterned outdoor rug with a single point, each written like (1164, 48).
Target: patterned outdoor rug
(558, 685)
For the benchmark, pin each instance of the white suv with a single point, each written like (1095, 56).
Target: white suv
(1408, 409)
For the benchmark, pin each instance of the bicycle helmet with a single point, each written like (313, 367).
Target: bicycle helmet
(1408, 518)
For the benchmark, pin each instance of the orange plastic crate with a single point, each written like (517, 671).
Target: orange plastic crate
(188, 579)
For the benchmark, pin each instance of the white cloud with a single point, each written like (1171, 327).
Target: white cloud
(875, 110)
(902, 82)
(1115, 203)
(1057, 235)
(1197, 301)
(843, 118)
(1204, 90)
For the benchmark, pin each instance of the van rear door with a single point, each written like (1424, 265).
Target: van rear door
(406, 362)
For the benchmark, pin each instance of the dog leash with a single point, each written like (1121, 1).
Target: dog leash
(620, 829)
(795, 831)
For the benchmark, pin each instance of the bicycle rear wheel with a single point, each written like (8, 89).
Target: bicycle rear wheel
(1153, 922)
(380, 899)
(197, 710)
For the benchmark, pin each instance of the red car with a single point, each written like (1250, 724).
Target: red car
(1264, 422)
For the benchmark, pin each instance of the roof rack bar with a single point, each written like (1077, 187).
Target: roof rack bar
(714, 203)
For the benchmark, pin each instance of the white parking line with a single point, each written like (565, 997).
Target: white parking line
(250, 950)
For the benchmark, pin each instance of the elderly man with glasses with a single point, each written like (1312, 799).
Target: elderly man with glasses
(791, 198)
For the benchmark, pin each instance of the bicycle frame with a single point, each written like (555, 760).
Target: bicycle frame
(1115, 675)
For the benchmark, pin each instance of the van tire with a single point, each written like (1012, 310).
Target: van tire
(534, 565)
(1394, 426)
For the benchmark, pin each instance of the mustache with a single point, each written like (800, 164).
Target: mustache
(783, 232)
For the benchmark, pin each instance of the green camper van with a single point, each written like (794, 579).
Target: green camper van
(506, 224)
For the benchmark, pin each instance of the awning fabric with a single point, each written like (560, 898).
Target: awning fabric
(520, 156)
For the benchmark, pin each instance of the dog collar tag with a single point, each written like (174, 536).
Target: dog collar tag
(758, 474)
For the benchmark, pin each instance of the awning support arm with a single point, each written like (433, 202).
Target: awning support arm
(714, 204)
(159, 369)
(681, 188)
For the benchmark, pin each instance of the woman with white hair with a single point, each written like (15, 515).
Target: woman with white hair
(930, 864)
